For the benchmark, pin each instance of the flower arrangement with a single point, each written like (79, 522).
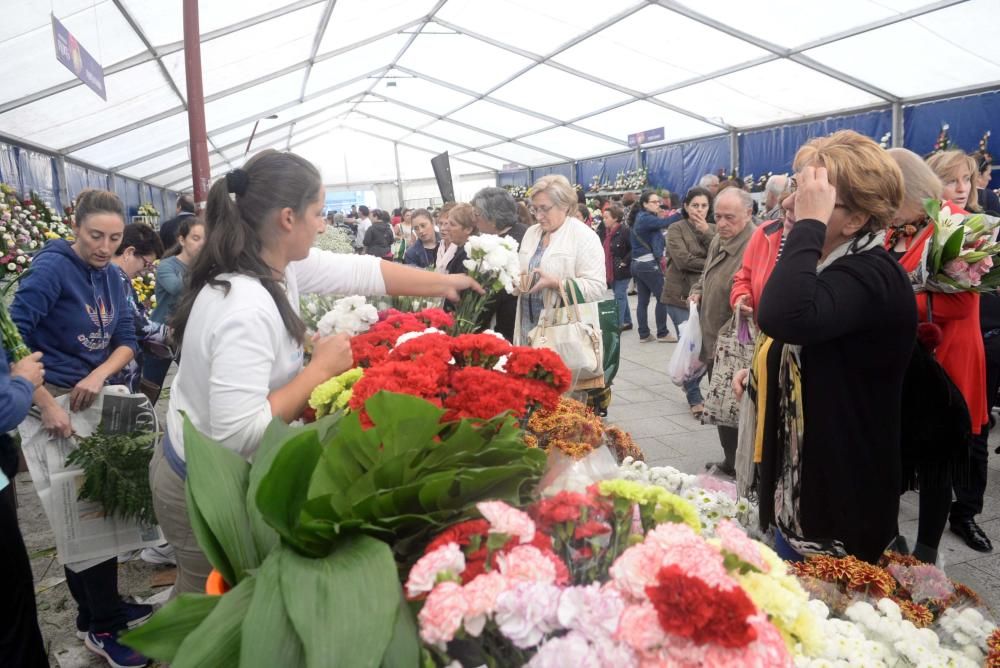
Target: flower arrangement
(960, 252)
(25, 226)
(147, 210)
(943, 141)
(518, 192)
(493, 262)
(349, 315)
(575, 430)
(616, 576)
(886, 140)
(145, 288)
(335, 240)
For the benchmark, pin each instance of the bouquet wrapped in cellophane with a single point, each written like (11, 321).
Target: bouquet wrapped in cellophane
(959, 255)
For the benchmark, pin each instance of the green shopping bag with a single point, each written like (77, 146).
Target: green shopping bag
(610, 333)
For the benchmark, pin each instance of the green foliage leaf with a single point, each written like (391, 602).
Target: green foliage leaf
(284, 488)
(218, 480)
(161, 636)
(953, 246)
(404, 646)
(216, 641)
(324, 596)
(403, 422)
(213, 550)
(268, 637)
(116, 473)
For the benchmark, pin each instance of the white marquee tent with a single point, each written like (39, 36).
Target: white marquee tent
(370, 89)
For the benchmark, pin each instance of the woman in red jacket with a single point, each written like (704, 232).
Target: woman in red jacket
(762, 253)
(960, 352)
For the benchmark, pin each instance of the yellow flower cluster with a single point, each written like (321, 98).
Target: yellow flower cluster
(145, 288)
(786, 603)
(666, 507)
(334, 394)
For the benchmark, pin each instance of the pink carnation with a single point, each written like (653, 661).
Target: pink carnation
(592, 610)
(527, 613)
(442, 614)
(526, 563)
(640, 629)
(447, 560)
(507, 520)
(481, 598)
(571, 649)
(691, 553)
(736, 541)
(636, 569)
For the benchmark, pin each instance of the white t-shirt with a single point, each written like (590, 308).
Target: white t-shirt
(363, 225)
(236, 350)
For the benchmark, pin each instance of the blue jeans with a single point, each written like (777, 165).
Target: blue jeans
(621, 296)
(692, 388)
(649, 281)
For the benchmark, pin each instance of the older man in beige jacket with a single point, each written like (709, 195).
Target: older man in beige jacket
(733, 223)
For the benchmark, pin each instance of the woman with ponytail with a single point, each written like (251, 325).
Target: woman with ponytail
(239, 331)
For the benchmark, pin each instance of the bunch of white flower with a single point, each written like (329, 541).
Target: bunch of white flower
(492, 260)
(879, 636)
(349, 315)
(967, 630)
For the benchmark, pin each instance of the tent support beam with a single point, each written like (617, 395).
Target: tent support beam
(734, 152)
(324, 21)
(399, 175)
(201, 174)
(897, 124)
(547, 60)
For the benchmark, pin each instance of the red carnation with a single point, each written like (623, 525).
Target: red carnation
(590, 529)
(431, 346)
(482, 393)
(540, 364)
(563, 507)
(483, 350)
(437, 318)
(688, 607)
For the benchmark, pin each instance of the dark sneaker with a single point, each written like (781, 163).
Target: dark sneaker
(136, 614)
(117, 655)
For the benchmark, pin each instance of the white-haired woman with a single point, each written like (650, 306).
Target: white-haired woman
(557, 248)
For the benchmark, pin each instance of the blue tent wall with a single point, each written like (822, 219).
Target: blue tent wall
(665, 167)
(706, 156)
(77, 179)
(968, 118)
(38, 174)
(97, 179)
(521, 177)
(773, 150)
(564, 168)
(10, 173)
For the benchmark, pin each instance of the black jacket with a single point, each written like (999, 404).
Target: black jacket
(621, 253)
(379, 238)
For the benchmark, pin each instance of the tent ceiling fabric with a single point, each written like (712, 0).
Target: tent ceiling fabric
(531, 82)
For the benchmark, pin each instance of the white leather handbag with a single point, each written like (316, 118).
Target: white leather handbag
(572, 329)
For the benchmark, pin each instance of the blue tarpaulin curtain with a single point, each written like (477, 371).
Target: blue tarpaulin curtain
(665, 167)
(38, 175)
(97, 179)
(119, 188)
(706, 156)
(521, 177)
(76, 179)
(773, 150)
(10, 173)
(968, 118)
(132, 197)
(565, 168)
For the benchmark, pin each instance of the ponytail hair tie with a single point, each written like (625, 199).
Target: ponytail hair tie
(236, 182)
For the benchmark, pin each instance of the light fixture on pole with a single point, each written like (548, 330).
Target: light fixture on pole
(256, 123)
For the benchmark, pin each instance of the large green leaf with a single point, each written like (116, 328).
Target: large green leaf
(343, 606)
(403, 421)
(265, 537)
(268, 637)
(404, 647)
(953, 246)
(213, 550)
(285, 486)
(216, 641)
(161, 636)
(218, 480)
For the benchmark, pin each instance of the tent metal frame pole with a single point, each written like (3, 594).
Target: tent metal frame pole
(734, 152)
(320, 33)
(399, 175)
(897, 124)
(201, 174)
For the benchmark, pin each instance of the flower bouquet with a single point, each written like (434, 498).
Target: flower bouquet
(25, 226)
(494, 263)
(335, 240)
(147, 210)
(145, 288)
(959, 255)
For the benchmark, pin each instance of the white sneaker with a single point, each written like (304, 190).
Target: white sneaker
(160, 555)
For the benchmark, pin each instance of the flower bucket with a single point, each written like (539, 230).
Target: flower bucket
(215, 585)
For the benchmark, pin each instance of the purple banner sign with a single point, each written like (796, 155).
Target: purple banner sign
(77, 59)
(647, 137)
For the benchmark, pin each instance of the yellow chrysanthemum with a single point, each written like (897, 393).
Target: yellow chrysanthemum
(334, 393)
(672, 508)
(625, 489)
(787, 605)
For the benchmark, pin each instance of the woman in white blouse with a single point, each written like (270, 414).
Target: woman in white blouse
(556, 248)
(240, 332)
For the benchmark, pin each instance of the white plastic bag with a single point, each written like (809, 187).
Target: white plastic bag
(685, 363)
(566, 474)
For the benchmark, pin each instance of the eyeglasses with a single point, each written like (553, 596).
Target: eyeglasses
(540, 210)
(146, 264)
(793, 185)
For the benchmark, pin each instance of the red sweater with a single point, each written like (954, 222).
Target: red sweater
(960, 353)
(758, 263)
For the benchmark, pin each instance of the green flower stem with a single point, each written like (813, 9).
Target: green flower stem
(11, 337)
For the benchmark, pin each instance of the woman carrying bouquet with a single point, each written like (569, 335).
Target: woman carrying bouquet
(845, 310)
(959, 352)
(240, 331)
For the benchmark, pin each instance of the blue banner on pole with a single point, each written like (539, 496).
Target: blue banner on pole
(647, 137)
(77, 59)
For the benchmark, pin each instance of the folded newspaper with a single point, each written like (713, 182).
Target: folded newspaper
(84, 535)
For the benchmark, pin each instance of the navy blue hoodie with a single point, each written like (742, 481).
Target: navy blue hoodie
(73, 313)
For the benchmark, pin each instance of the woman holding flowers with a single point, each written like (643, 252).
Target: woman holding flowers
(844, 310)
(557, 248)
(956, 315)
(240, 331)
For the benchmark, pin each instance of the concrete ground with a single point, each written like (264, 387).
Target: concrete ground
(646, 404)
